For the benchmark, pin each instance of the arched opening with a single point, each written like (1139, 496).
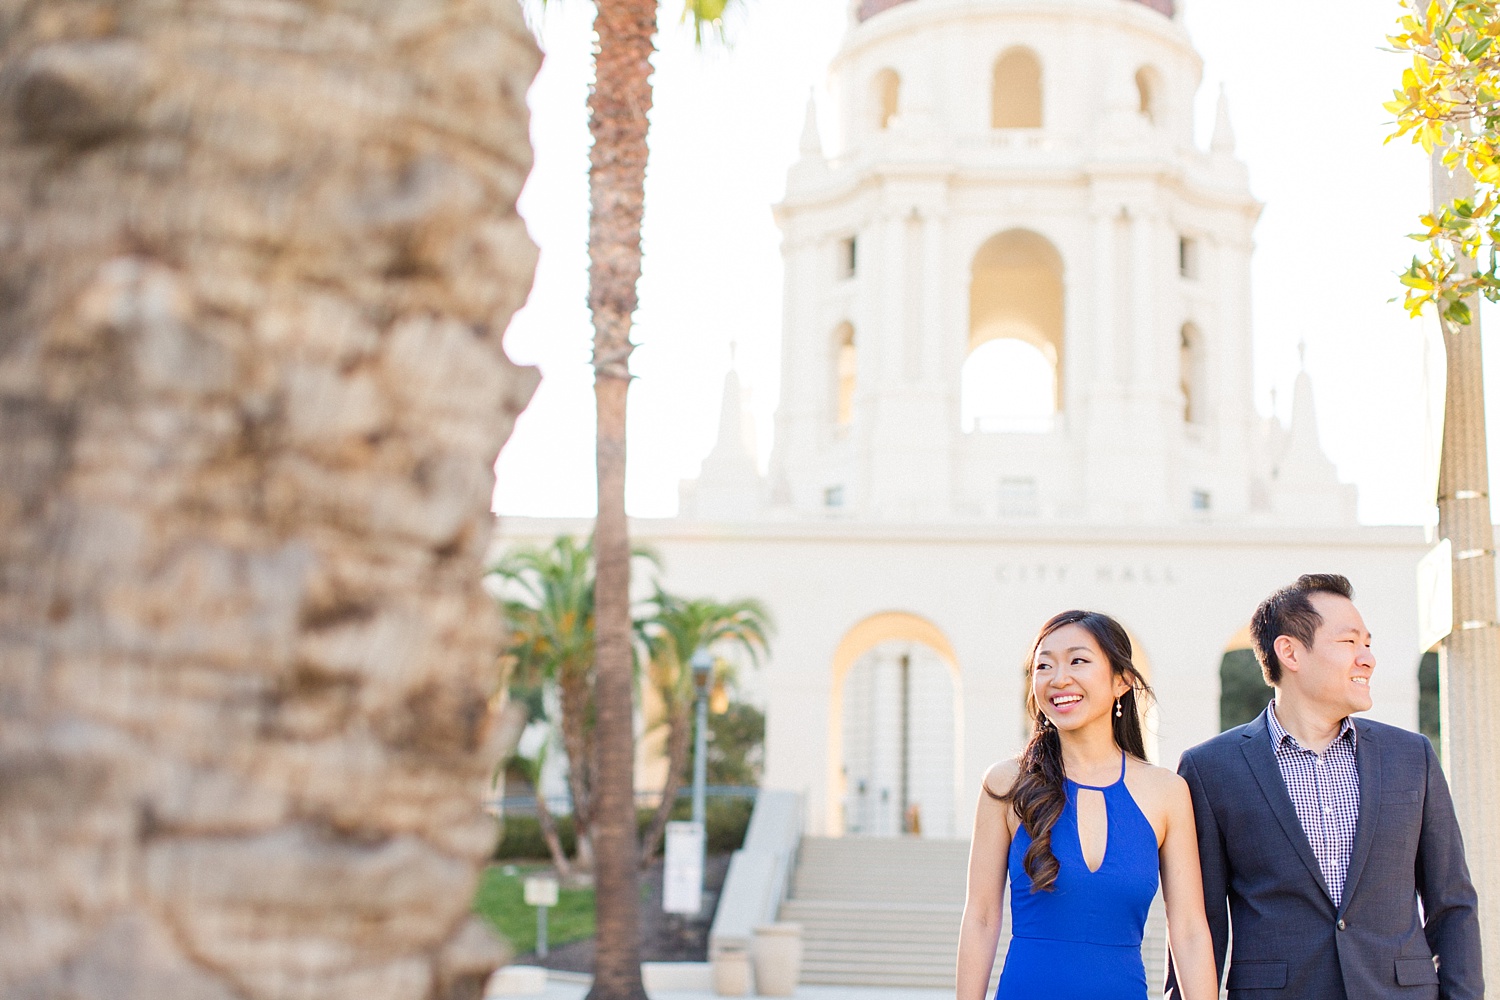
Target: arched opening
(1243, 692)
(845, 370)
(1012, 374)
(1016, 95)
(887, 97)
(1008, 386)
(1192, 374)
(895, 722)
(1148, 88)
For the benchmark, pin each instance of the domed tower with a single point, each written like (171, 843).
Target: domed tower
(1015, 288)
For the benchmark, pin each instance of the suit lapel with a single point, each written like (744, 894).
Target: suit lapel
(1367, 761)
(1261, 757)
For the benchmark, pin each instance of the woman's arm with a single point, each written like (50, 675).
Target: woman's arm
(1182, 890)
(979, 933)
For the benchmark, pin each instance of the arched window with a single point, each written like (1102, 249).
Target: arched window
(1008, 386)
(845, 366)
(1192, 375)
(1013, 374)
(1243, 692)
(887, 97)
(1148, 87)
(1016, 100)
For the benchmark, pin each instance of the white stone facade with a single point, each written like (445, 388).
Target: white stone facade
(1141, 240)
(1013, 187)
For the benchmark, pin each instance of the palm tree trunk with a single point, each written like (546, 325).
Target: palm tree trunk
(257, 265)
(1469, 667)
(574, 694)
(618, 107)
(679, 738)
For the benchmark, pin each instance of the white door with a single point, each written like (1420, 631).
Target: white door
(899, 746)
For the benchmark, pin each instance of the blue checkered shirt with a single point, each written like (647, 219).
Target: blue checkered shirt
(1325, 792)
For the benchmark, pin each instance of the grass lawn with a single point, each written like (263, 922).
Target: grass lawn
(500, 900)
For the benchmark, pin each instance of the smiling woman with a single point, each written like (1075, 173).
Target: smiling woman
(1085, 830)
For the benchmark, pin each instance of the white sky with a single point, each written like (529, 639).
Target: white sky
(1306, 82)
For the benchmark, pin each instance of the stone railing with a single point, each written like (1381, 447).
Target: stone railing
(759, 873)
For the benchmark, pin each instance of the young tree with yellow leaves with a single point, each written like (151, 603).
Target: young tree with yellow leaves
(1449, 103)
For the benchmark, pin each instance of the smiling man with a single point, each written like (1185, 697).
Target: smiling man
(1329, 845)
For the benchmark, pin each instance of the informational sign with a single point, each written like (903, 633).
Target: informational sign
(1435, 596)
(682, 881)
(540, 890)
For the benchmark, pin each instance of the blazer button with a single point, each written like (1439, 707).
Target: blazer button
(1341, 925)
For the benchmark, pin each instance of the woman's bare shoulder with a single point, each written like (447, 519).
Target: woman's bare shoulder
(1001, 775)
(1161, 783)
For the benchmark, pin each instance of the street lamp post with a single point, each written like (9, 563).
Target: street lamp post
(703, 667)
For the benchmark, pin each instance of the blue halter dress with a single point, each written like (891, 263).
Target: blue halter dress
(1082, 940)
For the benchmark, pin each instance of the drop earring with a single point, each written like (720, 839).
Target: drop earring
(1118, 713)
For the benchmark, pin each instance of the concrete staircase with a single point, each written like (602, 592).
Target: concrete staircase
(885, 912)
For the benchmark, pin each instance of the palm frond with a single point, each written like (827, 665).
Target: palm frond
(707, 16)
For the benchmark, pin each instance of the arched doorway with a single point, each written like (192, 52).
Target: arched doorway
(1243, 692)
(895, 729)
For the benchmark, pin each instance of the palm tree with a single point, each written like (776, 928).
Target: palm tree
(679, 628)
(254, 388)
(619, 103)
(549, 610)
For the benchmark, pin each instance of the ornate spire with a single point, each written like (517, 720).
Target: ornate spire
(729, 484)
(812, 141)
(1223, 139)
(1303, 432)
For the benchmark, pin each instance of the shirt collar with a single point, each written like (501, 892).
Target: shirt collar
(1280, 737)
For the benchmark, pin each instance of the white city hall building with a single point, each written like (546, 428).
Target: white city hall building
(1016, 379)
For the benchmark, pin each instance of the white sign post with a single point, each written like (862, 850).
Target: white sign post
(1435, 596)
(682, 881)
(541, 892)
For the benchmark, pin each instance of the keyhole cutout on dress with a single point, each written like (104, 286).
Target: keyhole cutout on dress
(1093, 827)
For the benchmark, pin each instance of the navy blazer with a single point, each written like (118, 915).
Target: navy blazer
(1261, 878)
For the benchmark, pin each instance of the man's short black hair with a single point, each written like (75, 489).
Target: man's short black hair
(1289, 612)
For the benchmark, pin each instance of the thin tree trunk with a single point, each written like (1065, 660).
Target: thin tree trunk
(679, 738)
(1469, 667)
(548, 826)
(574, 694)
(618, 107)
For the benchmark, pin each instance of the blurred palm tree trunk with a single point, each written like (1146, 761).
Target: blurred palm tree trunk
(256, 261)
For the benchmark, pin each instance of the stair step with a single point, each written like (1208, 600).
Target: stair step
(886, 912)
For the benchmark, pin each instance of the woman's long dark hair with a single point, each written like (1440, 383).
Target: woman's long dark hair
(1038, 795)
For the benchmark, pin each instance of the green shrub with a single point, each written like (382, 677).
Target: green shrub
(522, 839)
(726, 820)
